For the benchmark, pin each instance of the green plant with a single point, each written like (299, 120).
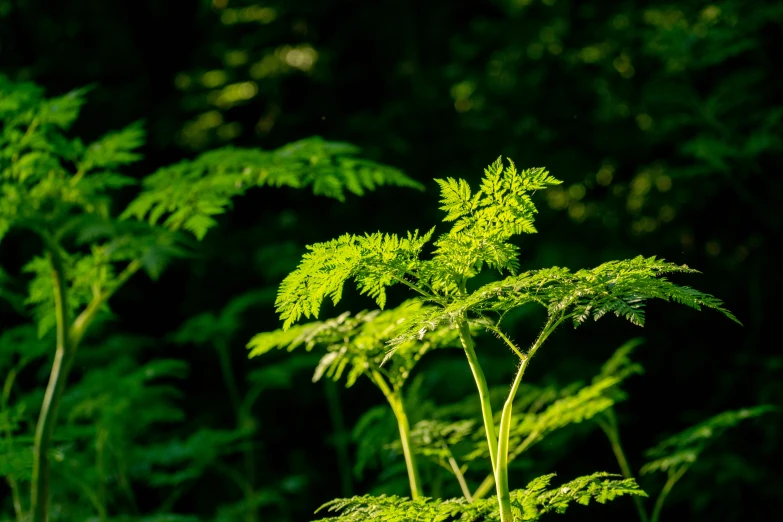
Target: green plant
(356, 346)
(61, 189)
(484, 223)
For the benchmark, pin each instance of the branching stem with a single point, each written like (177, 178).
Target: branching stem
(63, 360)
(68, 338)
(501, 471)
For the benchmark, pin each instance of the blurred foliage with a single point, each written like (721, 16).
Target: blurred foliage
(663, 120)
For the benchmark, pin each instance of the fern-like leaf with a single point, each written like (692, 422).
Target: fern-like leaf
(528, 504)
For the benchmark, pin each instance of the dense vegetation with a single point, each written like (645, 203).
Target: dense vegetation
(128, 396)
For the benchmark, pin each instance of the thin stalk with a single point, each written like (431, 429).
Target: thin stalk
(341, 438)
(100, 447)
(12, 483)
(68, 338)
(489, 481)
(458, 473)
(243, 419)
(228, 376)
(395, 401)
(82, 323)
(501, 472)
(63, 360)
(483, 389)
(613, 434)
(88, 492)
(673, 478)
(417, 289)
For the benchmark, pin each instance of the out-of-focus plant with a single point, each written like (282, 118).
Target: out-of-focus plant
(60, 189)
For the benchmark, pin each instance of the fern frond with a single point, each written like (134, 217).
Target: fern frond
(685, 447)
(618, 287)
(375, 261)
(356, 343)
(528, 504)
(188, 194)
(486, 220)
(115, 148)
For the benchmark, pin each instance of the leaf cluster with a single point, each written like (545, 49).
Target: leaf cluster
(529, 504)
(682, 449)
(188, 194)
(618, 287)
(357, 344)
(485, 221)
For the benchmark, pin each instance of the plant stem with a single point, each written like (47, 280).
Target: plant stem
(82, 323)
(243, 420)
(63, 360)
(100, 495)
(501, 472)
(673, 478)
(489, 481)
(458, 473)
(12, 483)
(68, 339)
(341, 438)
(613, 434)
(483, 389)
(395, 401)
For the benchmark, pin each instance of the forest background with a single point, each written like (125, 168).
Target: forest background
(663, 119)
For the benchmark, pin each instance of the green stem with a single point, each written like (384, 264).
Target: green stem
(483, 389)
(243, 420)
(395, 401)
(673, 478)
(501, 472)
(100, 447)
(341, 438)
(12, 483)
(417, 289)
(485, 487)
(458, 473)
(613, 434)
(489, 481)
(228, 376)
(63, 360)
(88, 492)
(82, 323)
(68, 339)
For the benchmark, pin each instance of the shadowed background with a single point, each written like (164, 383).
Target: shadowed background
(663, 119)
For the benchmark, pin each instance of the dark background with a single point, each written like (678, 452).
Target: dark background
(663, 119)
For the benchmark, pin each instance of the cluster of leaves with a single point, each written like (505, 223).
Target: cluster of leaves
(47, 177)
(680, 451)
(189, 193)
(531, 503)
(357, 343)
(61, 189)
(618, 287)
(484, 224)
